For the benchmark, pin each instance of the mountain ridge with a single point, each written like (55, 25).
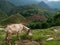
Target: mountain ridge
(42, 4)
(22, 2)
(52, 4)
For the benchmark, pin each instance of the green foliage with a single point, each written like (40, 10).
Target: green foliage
(23, 36)
(37, 25)
(29, 10)
(53, 20)
(39, 35)
(16, 18)
(8, 15)
(6, 6)
(3, 15)
(57, 19)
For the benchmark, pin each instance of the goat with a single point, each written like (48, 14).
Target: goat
(15, 29)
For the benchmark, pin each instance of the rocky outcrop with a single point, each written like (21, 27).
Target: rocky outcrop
(27, 42)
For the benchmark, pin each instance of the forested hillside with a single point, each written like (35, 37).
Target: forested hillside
(3, 15)
(29, 10)
(6, 6)
(36, 14)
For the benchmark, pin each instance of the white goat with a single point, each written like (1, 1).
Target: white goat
(15, 29)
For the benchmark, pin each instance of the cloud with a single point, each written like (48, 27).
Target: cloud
(53, 0)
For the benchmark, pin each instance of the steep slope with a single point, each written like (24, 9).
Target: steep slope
(3, 15)
(16, 18)
(6, 6)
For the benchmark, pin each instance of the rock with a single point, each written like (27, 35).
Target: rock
(1, 28)
(57, 30)
(30, 34)
(32, 43)
(49, 39)
(48, 35)
(27, 42)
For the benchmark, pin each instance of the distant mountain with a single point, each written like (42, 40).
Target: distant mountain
(54, 4)
(41, 4)
(22, 2)
(26, 8)
(44, 5)
(6, 6)
(26, 2)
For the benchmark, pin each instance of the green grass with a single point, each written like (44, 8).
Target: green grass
(39, 35)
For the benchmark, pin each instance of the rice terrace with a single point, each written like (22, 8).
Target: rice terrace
(29, 22)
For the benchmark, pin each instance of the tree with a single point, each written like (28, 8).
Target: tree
(57, 19)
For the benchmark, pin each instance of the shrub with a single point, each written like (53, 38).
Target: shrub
(38, 25)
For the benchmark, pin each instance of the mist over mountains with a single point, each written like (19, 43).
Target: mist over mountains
(8, 5)
(23, 2)
(52, 4)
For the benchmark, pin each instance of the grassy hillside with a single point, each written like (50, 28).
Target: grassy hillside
(39, 35)
(16, 18)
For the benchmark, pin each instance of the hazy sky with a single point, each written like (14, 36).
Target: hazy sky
(53, 0)
(48, 0)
